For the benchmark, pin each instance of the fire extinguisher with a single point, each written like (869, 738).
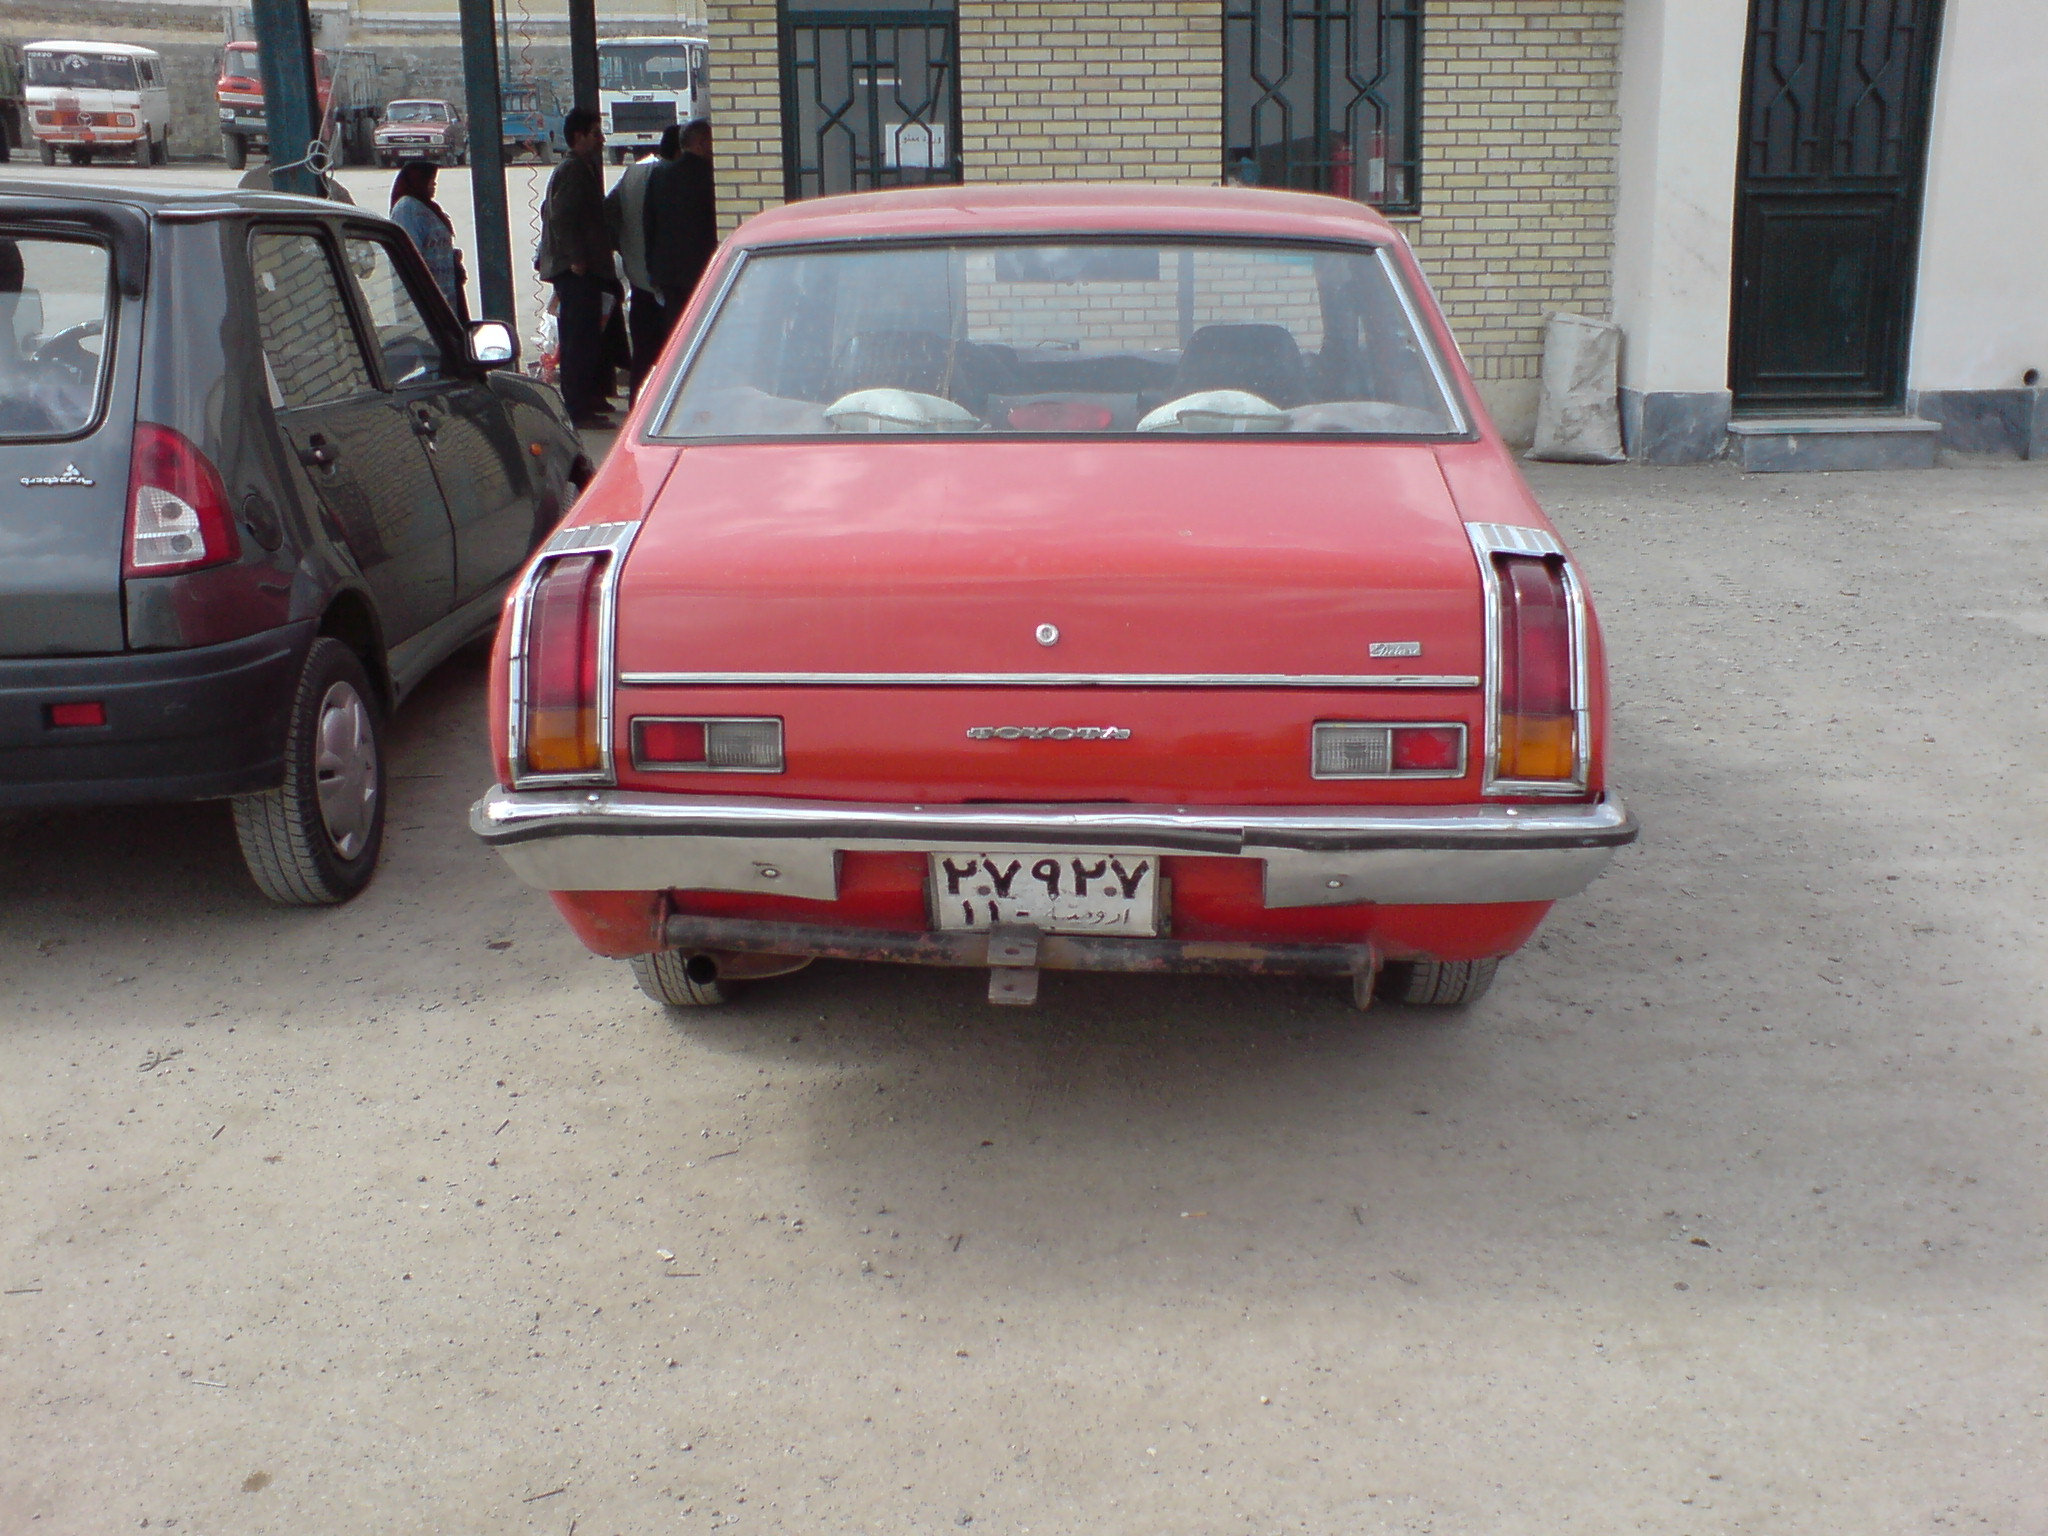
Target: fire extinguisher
(1340, 168)
(1376, 167)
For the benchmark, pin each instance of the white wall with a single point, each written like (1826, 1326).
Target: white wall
(1681, 110)
(1982, 316)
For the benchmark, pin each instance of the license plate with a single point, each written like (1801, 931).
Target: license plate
(1055, 890)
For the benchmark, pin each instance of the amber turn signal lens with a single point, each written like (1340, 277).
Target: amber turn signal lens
(1537, 747)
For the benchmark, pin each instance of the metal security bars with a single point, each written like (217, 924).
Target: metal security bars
(870, 99)
(1324, 96)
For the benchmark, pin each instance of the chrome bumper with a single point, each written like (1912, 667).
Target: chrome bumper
(610, 840)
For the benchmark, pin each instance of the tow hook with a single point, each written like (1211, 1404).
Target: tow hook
(1013, 966)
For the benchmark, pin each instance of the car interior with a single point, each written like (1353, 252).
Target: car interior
(53, 303)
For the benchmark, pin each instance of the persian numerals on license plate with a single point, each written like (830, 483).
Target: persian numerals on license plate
(1055, 890)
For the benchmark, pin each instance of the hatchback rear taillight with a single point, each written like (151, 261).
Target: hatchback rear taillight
(1538, 737)
(178, 515)
(561, 672)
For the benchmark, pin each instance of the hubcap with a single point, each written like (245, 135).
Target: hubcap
(345, 769)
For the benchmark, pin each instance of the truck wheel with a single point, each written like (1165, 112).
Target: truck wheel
(1436, 983)
(144, 152)
(235, 149)
(47, 153)
(314, 840)
(677, 980)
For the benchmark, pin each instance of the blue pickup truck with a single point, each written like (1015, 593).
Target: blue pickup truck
(532, 116)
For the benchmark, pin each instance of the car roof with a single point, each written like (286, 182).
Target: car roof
(1066, 208)
(68, 45)
(153, 201)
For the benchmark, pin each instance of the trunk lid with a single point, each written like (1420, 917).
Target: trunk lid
(1184, 558)
(1213, 600)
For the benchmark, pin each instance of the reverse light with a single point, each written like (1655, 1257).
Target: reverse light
(1343, 749)
(707, 745)
(561, 674)
(178, 516)
(1538, 736)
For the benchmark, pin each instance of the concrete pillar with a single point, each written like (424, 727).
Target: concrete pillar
(1681, 129)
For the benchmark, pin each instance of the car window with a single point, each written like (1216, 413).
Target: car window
(54, 300)
(303, 321)
(1117, 337)
(412, 355)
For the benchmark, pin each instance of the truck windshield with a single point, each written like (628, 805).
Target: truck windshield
(1104, 337)
(417, 112)
(644, 67)
(53, 316)
(82, 71)
(242, 63)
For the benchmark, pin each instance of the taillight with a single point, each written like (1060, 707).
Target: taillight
(1346, 750)
(1538, 733)
(561, 675)
(178, 517)
(707, 746)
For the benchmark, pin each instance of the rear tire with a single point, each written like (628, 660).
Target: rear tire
(1436, 983)
(47, 153)
(144, 152)
(314, 840)
(677, 980)
(236, 149)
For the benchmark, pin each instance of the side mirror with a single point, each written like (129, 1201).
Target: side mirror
(492, 344)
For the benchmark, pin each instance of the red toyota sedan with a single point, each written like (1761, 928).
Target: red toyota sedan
(1100, 577)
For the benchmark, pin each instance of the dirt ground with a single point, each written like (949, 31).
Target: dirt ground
(1724, 1212)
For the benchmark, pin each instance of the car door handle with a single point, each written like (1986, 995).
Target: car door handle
(318, 452)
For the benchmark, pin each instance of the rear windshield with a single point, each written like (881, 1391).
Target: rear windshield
(83, 71)
(53, 317)
(1104, 337)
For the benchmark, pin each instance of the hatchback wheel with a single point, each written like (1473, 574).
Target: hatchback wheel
(678, 980)
(1436, 983)
(314, 840)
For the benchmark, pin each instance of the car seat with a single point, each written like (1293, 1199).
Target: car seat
(1263, 360)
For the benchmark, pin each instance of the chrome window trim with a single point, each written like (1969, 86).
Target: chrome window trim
(612, 540)
(1464, 749)
(1041, 680)
(633, 742)
(1488, 540)
(673, 385)
(1426, 339)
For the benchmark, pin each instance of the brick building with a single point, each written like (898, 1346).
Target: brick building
(1740, 183)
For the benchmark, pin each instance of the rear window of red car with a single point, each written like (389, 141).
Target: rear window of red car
(1103, 337)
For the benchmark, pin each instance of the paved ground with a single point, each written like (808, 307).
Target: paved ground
(1723, 1213)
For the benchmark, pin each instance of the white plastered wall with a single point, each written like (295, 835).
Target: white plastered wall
(1981, 320)
(1681, 109)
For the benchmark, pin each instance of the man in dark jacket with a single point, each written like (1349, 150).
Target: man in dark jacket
(576, 256)
(682, 219)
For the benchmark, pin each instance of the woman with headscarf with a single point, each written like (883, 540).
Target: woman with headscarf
(416, 212)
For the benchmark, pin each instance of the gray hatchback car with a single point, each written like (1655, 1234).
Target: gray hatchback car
(255, 483)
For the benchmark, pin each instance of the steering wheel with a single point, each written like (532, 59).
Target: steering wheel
(66, 349)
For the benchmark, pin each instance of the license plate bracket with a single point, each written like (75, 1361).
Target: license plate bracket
(1055, 890)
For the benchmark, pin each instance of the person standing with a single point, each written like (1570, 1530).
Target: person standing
(414, 210)
(682, 219)
(576, 256)
(647, 320)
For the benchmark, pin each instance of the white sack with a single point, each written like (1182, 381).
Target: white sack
(1576, 420)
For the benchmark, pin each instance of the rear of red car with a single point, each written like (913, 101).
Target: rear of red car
(1150, 598)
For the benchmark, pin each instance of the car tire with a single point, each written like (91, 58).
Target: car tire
(314, 840)
(237, 152)
(47, 153)
(677, 980)
(1435, 983)
(144, 152)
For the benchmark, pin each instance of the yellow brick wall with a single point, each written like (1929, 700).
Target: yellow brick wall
(1519, 132)
(1091, 90)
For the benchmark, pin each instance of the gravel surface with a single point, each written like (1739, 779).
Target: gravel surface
(1723, 1212)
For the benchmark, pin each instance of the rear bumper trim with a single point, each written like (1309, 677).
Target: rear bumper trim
(1313, 856)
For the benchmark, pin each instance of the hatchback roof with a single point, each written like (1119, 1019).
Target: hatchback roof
(1067, 207)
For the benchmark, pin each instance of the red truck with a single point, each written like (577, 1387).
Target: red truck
(347, 83)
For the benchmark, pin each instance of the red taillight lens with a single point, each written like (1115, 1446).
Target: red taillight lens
(1060, 416)
(178, 517)
(561, 667)
(64, 715)
(1428, 749)
(1538, 737)
(669, 743)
